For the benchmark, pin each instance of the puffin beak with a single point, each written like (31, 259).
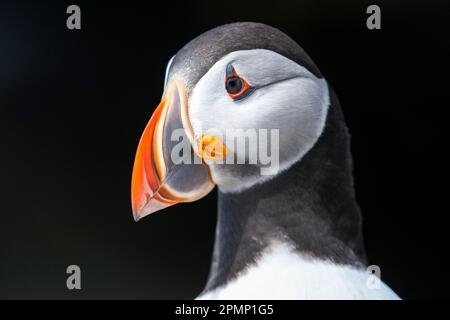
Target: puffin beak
(162, 177)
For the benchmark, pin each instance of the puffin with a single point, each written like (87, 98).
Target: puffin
(288, 224)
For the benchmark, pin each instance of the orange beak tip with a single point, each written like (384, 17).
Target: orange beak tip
(153, 187)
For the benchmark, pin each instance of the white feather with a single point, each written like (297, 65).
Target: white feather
(282, 273)
(288, 98)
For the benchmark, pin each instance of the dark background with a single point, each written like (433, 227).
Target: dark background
(74, 103)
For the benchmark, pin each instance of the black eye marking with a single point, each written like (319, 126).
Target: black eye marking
(230, 70)
(236, 87)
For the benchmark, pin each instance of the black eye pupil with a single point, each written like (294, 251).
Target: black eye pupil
(233, 85)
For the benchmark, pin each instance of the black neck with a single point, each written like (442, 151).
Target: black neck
(311, 205)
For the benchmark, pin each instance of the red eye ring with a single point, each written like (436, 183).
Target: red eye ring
(237, 88)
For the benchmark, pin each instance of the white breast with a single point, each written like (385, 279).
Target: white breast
(282, 273)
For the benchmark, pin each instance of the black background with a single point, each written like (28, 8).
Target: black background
(74, 103)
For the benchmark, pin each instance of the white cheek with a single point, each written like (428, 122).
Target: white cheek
(296, 107)
(213, 115)
(209, 104)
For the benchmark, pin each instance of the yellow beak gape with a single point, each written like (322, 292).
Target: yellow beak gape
(211, 148)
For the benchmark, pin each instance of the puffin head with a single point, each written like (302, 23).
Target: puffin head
(242, 103)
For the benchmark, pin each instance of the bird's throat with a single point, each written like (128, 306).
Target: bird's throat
(311, 206)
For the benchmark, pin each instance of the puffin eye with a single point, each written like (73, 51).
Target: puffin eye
(233, 85)
(236, 87)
